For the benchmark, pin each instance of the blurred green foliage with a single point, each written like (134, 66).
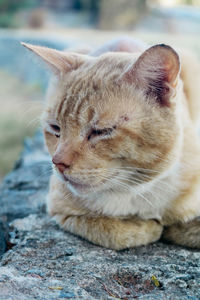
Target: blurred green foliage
(188, 2)
(8, 8)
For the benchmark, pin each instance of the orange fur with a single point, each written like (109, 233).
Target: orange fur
(121, 129)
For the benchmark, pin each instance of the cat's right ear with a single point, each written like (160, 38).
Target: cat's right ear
(155, 73)
(59, 62)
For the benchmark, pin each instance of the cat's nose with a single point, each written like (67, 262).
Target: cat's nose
(60, 165)
(63, 157)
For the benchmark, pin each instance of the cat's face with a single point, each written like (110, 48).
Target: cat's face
(108, 124)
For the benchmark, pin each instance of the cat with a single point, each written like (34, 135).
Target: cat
(120, 124)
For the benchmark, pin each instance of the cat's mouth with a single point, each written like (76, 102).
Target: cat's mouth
(80, 185)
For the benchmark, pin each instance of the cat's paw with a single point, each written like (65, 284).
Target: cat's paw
(185, 234)
(110, 232)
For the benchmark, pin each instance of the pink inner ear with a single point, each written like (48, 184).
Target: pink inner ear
(171, 70)
(155, 72)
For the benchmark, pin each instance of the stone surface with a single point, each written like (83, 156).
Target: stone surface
(23, 190)
(41, 261)
(2, 239)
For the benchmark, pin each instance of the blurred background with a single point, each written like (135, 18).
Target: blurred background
(69, 23)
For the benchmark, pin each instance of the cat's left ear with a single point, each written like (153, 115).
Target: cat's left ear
(58, 61)
(156, 72)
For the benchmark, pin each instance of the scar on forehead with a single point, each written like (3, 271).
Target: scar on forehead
(124, 117)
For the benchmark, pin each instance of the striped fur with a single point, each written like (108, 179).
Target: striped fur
(128, 141)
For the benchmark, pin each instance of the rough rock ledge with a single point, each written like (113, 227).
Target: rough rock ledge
(40, 261)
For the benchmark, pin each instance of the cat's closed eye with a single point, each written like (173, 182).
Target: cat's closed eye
(56, 130)
(100, 132)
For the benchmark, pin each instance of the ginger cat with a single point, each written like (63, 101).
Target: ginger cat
(121, 126)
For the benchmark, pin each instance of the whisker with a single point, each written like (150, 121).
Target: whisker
(124, 176)
(131, 188)
(34, 122)
(139, 169)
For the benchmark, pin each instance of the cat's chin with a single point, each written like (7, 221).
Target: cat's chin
(83, 190)
(79, 188)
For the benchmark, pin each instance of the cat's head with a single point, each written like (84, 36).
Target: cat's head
(112, 122)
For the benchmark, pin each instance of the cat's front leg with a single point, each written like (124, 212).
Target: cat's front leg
(184, 234)
(112, 232)
(109, 232)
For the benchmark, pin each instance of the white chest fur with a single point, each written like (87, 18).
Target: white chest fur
(148, 201)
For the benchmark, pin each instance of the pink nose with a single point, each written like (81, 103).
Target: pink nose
(61, 166)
